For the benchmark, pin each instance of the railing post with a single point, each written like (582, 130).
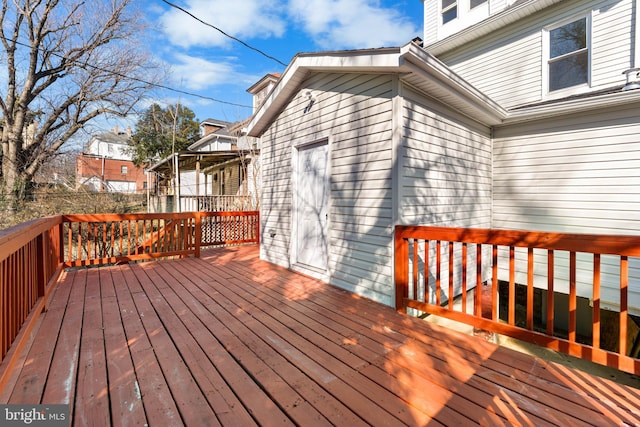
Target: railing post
(198, 233)
(258, 228)
(401, 270)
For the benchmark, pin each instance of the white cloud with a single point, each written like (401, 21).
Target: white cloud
(195, 73)
(245, 19)
(352, 24)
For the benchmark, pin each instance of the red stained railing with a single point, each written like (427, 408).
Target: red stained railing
(467, 267)
(29, 268)
(33, 254)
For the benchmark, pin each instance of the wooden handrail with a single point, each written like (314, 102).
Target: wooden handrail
(30, 264)
(517, 258)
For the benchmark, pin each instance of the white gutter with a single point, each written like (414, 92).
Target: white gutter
(554, 109)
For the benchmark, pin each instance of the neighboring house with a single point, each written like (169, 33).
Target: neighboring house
(512, 115)
(105, 165)
(213, 174)
(262, 88)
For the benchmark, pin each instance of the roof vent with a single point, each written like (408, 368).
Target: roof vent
(633, 79)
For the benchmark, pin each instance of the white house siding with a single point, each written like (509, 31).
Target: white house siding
(572, 174)
(445, 174)
(507, 65)
(354, 112)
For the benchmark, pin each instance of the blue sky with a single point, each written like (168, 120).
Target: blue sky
(201, 60)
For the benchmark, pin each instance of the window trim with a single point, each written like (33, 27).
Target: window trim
(478, 5)
(546, 58)
(455, 5)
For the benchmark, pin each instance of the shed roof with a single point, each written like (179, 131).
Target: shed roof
(187, 160)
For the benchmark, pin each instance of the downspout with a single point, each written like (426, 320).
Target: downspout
(633, 74)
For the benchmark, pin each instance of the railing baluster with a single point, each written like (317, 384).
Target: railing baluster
(494, 283)
(512, 286)
(596, 301)
(530, 289)
(464, 277)
(479, 284)
(426, 271)
(550, 279)
(438, 261)
(415, 268)
(624, 303)
(572, 297)
(451, 261)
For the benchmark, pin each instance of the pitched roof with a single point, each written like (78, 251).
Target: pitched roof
(415, 65)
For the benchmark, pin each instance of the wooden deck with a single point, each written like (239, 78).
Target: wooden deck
(230, 340)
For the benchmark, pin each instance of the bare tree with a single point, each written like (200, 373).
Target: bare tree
(67, 63)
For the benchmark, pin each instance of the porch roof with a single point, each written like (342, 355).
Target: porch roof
(228, 339)
(187, 160)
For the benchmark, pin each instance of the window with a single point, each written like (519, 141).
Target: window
(123, 170)
(568, 55)
(449, 10)
(475, 3)
(222, 189)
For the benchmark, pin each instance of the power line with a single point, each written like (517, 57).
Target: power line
(136, 79)
(225, 34)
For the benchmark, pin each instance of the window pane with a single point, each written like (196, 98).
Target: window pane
(569, 71)
(449, 15)
(476, 3)
(447, 3)
(568, 38)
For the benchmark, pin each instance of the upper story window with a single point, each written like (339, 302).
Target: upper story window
(123, 170)
(568, 59)
(449, 10)
(475, 3)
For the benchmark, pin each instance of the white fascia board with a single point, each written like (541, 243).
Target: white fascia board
(475, 103)
(366, 60)
(491, 24)
(572, 106)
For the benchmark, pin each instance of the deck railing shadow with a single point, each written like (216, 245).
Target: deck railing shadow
(435, 266)
(33, 255)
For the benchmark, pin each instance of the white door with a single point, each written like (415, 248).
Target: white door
(312, 197)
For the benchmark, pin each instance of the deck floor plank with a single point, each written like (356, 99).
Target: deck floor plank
(33, 375)
(182, 323)
(126, 403)
(243, 342)
(92, 382)
(305, 341)
(442, 393)
(230, 340)
(188, 397)
(154, 392)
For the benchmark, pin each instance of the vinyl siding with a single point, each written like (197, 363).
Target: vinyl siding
(445, 178)
(575, 174)
(446, 166)
(507, 65)
(355, 112)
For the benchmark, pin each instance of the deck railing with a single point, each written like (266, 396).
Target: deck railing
(457, 273)
(33, 255)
